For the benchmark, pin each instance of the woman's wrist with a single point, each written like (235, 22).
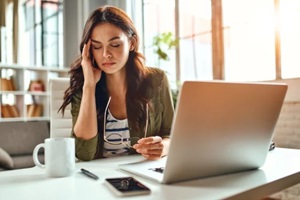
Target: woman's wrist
(88, 86)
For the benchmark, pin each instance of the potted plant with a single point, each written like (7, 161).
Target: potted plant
(162, 43)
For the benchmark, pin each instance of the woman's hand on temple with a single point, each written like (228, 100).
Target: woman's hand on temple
(152, 148)
(91, 74)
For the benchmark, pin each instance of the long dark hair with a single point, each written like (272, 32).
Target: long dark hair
(135, 69)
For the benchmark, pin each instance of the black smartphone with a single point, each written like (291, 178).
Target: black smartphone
(126, 186)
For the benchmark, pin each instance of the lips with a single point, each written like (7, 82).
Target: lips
(108, 64)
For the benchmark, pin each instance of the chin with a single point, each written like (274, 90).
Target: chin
(112, 70)
(109, 71)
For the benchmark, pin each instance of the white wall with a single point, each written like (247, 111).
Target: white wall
(293, 93)
(287, 131)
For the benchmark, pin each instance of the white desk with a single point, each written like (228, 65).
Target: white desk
(281, 170)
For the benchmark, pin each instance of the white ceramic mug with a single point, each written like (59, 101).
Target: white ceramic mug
(59, 156)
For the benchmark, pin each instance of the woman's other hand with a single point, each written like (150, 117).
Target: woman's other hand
(91, 74)
(152, 148)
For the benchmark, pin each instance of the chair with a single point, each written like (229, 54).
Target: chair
(60, 126)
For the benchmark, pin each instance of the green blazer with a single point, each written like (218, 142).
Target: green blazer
(160, 117)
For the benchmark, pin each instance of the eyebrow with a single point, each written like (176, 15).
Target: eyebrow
(114, 38)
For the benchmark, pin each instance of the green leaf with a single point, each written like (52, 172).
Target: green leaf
(164, 42)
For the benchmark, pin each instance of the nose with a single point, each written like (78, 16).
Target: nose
(106, 53)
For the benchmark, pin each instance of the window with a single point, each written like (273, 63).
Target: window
(195, 39)
(249, 40)
(260, 38)
(289, 16)
(159, 17)
(43, 32)
(7, 36)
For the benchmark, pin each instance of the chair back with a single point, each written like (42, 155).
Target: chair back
(60, 126)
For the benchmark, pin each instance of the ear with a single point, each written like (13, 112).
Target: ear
(131, 48)
(132, 43)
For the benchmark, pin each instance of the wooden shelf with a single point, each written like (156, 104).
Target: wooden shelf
(21, 97)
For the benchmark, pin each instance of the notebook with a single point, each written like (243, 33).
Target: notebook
(218, 128)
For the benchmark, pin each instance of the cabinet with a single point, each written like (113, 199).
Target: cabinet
(24, 92)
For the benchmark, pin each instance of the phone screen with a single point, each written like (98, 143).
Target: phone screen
(126, 186)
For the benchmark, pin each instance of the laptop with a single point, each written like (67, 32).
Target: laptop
(218, 128)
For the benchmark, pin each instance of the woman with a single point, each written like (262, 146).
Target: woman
(119, 106)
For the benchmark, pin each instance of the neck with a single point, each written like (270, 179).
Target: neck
(116, 84)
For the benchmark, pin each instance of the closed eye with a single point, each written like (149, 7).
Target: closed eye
(115, 45)
(95, 47)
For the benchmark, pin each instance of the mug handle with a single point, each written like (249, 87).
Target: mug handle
(35, 155)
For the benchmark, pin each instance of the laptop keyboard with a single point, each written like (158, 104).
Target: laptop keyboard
(158, 169)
